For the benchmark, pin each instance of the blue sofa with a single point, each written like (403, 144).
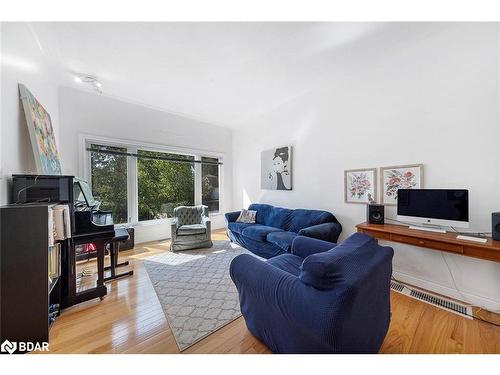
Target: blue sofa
(275, 228)
(321, 298)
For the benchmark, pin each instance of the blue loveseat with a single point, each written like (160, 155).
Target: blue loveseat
(321, 298)
(275, 228)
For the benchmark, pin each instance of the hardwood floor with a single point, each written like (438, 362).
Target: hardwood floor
(131, 320)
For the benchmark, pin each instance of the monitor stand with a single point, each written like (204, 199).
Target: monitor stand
(428, 229)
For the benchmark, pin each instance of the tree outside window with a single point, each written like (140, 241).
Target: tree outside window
(109, 181)
(163, 185)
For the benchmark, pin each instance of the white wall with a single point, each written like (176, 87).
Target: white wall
(22, 61)
(87, 113)
(429, 97)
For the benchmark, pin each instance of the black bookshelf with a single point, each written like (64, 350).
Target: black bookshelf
(25, 291)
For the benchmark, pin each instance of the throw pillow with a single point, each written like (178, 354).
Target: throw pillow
(247, 216)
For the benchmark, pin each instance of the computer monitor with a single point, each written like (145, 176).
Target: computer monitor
(448, 207)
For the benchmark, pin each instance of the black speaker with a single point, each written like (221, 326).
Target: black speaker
(375, 214)
(495, 226)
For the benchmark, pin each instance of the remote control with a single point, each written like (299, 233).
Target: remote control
(469, 238)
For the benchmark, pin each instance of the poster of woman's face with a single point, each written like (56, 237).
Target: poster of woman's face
(276, 168)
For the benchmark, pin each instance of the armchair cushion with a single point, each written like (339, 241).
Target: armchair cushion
(258, 232)
(187, 215)
(191, 229)
(287, 262)
(282, 239)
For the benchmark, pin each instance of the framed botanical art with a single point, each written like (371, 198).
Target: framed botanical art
(360, 185)
(399, 177)
(276, 168)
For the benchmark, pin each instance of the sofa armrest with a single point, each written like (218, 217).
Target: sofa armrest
(231, 217)
(305, 246)
(327, 231)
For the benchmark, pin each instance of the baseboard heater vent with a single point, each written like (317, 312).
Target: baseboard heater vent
(431, 299)
(397, 286)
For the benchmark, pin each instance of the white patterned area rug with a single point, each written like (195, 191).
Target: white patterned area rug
(195, 290)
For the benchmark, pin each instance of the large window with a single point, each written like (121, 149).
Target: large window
(163, 185)
(210, 183)
(109, 181)
(138, 184)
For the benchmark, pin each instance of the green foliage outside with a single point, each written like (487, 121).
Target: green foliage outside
(163, 185)
(109, 181)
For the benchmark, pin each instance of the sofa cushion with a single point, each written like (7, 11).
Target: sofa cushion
(258, 232)
(238, 227)
(184, 230)
(278, 217)
(324, 270)
(287, 219)
(287, 262)
(300, 218)
(282, 239)
(263, 212)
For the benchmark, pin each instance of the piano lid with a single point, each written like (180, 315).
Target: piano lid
(89, 220)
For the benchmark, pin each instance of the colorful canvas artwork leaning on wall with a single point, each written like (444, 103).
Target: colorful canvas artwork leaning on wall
(400, 177)
(41, 134)
(360, 185)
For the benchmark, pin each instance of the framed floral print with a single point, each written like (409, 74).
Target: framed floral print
(360, 185)
(399, 177)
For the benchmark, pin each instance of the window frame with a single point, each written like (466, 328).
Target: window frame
(219, 172)
(86, 140)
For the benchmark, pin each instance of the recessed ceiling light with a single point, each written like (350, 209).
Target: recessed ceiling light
(91, 81)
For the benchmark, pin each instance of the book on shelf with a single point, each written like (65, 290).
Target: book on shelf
(54, 258)
(59, 223)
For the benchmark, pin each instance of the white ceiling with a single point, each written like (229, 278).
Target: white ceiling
(222, 73)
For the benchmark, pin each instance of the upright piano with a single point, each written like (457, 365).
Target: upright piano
(89, 226)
